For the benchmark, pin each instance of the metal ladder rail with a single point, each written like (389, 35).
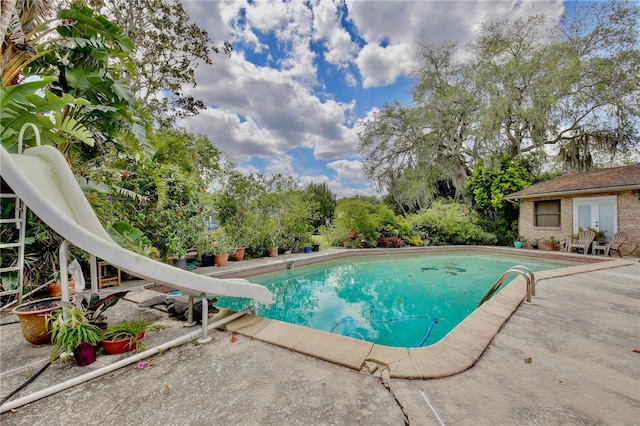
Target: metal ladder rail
(532, 278)
(19, 221)
(518, 269)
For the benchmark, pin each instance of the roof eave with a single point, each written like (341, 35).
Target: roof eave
(575, 192)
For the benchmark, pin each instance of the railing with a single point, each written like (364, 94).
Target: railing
(518, 269)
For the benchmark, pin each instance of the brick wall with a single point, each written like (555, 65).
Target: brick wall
(628, 219)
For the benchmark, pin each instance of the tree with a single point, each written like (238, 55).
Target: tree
(325, 202)
(491, 182)
(574, 87)
(165, 187)
(168, 50)
(89, 100)
(525, 89)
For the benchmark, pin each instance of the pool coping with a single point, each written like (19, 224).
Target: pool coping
(456, 352)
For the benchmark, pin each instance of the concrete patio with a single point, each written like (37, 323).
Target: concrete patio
(579, 335)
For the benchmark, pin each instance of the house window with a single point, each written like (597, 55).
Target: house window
(548, 213)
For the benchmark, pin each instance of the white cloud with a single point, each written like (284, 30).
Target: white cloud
(381, 66)
(340, 49)
(349, 170)
(282, 164)
(268, 110)
(392, 29)
(279, 113)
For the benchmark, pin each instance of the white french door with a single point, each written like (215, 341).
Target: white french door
(599, 213)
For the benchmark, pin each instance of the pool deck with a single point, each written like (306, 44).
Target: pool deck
(566, 358)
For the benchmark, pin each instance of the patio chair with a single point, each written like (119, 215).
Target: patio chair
(585, 238)
(618, 239)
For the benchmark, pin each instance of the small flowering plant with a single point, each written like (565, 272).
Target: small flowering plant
(220, 242)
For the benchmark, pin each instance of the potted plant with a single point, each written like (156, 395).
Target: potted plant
(126, 335)
(55, 288)
(220, 247)
(176, 252)
(306, 243)
(238, 253)
(519, 241)
(551, 243)
(206, 244)
(33, 319)
(534, 244)
(72, 331)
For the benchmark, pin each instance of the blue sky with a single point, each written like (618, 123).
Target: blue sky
(304, 75)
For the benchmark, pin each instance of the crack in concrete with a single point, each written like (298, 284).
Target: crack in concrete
(391, 392)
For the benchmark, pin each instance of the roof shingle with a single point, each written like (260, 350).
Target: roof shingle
(624, 177)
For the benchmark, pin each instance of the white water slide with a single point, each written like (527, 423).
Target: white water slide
(42, 178)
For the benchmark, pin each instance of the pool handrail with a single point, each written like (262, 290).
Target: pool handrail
(517, 269)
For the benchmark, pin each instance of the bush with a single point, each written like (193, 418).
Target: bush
(390, 242)
(448, 222)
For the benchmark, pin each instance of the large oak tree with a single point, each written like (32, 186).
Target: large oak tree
(564, 94)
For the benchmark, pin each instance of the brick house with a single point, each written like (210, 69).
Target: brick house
(605, 200)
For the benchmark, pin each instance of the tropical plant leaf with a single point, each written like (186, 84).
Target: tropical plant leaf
(73, 128)
(130, 194)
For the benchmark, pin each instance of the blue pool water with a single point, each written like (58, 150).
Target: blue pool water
(394, 300)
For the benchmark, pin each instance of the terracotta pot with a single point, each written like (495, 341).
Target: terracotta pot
(273, 251)
(238, 254)
(549, 246)
(85, 353)
(120, 346)
(55, 288)
(221, 259)
(32, 318)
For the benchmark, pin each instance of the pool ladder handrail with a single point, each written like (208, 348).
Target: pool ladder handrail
(517, 269)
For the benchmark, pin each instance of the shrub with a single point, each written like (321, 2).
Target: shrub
(390, 242)
(448, 222)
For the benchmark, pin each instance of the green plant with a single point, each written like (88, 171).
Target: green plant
(552, 240)
(69, 327)
(93, 306)
(600, 235)
(220, 242)
(132, 330)
(520, 238)
(175, 247)
(133, 239)
(449, 222)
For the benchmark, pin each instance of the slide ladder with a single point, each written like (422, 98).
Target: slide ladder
(517, 269)
(18, 221)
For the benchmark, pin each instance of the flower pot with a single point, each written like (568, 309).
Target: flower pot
(120, 346)
(273, 251)
(221, 259)
(32, 318)
(207, 260)
(55, 288)
(315, 247)
(307, 249)
(85, 353)
(179, 262)
(518, 244)
(238, 254)
(549, 246)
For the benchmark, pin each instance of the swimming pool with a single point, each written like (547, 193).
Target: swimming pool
(394, 300)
